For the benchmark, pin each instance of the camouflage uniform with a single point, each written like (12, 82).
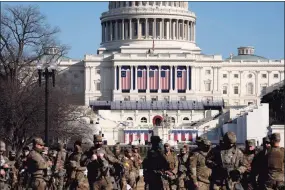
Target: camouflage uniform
(227, 164)
(98, 163)
(259, 160)
(76, 178)
(154, 165)
(21, 166)
(59, 166)
(119, 172)
(183, 172)
(138, 162)
(13, 171)
(37, 165)
(4, 168)
(249, 154)
(173, 163)
(274, 167)
(130, 170)
(199, 171)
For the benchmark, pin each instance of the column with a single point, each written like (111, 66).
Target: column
(170, 27)
(218, 80)
(171, 78)
(173, 30)
(241, 85)
(92, 72)
(115, 77)
(194, 33)
(183, 35)
(191, 31)
(193, 78)
(123, 27)
(130, 28)
(175, 76)
(120, 78)
(132, 77)
(154, 28)
(136, 77)
(268, 76)
(229, 86)
(161, 29)
(177, 30)
(111, 31)
(87, 78)
(200, 78)
(138, 29)
(102, 26)
(256, 82)
(106, 32)
(147, 78)
(167, 30)
(146, 28)
(116, 30)
(187, 30)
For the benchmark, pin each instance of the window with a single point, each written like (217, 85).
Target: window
(163, 3)
(129, 119)
(136, 3)
(264, 76)
(142, 98)
(249, 103)
(143, 120)
(150, 3)
(182, 98)
(98, 71)
(150, 26)
(157, 3)
(98, 85)
(249, 76)
(75, 76)
(169, 3)
(226, 103)
(154, 99)
(172, 120)
(144, 3)
(225, 90)
(166, 98)
(236, 90)
(250, 88)
(235, 75)
(185, 119)
(208, 72)
(275, 76)
(126, 98)
(225, 76)
(208, 86)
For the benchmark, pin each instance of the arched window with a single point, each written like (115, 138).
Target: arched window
(250, 88)
(143, 120)
(129, 119)
(185, 119)
(172, 120)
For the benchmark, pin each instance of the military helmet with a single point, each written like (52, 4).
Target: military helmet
(135, 146)
(275, 137)
(117, 147)
(2, 146)
(230, 137)
(200, 139)
(128, 150)
(250, 142)
(39, 141)
(206, 142)
(155, 139)
(98, 138)
(265, 140)
(78, 142)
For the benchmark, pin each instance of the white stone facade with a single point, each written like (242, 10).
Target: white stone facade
(161, 35)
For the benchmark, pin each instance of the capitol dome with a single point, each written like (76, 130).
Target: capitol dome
(142, 22)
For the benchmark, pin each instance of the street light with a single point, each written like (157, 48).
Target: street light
(47, 67)
(165, 124)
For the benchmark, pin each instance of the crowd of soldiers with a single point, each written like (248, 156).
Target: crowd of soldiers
(224, 166)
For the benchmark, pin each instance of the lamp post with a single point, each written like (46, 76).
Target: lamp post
(165, 124)
(47, 67)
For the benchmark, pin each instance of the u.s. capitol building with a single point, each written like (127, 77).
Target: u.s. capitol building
(149, 54)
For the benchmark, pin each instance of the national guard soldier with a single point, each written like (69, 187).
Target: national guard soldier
(227, 164)
(98, 164)
(4, 168)
(173, 163)
(130, 170)
(154, 166)
(274, 167)
(198, 142)
(249, 153)
(21, 166)
(199, 172)
(76, 177)
(259, 160)
(59, 165)
(37, 165)
(182, 173)
(13, 170)
(119, 172)
(138, 162)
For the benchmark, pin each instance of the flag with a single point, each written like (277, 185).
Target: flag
(164, 80)
(181, 79)
(153, 79)
(126, 79)
(141, 79)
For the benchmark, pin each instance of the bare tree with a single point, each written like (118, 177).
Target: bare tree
(24, 35)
